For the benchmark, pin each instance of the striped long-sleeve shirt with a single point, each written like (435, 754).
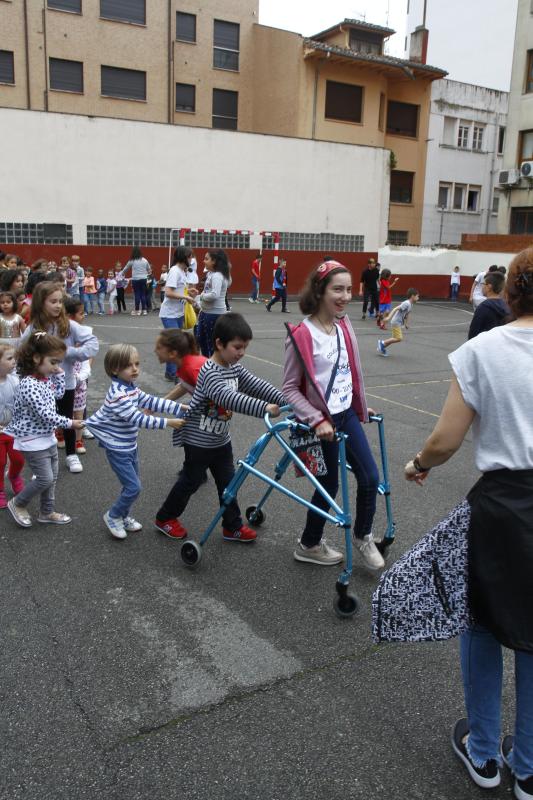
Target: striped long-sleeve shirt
(219, 392)
(116, 424)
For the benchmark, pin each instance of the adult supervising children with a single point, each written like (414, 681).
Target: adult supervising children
(140, 270)
(172, 309)
(369, 288)
(323, 382)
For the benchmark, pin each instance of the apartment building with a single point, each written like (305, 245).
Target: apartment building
(464, 156)
(516, 176)
(214, 66)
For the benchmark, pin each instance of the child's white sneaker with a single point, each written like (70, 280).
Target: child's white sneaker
(131, 525)
(74, 464)
(369, 552)
(115, 526)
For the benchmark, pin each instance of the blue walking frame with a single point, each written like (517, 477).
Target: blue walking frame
(345, 604)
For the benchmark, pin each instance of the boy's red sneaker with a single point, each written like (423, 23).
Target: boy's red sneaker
(171, 528)
(244, 534)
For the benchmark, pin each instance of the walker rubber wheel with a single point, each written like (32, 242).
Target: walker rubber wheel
(191, 553)
(383, 546)
(345, 605)
(255, 516)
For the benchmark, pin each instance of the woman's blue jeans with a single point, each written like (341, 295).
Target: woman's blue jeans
(361, 460)
(139, 291)
(482, 668)
(171, 322)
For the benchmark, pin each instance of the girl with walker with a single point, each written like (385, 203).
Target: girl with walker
(323, 383)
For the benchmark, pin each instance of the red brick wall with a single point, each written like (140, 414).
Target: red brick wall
(495, 243)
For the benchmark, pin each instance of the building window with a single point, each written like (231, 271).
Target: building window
(472, 198)
(501, 140)
(217, 240)
(127, 84)
(185, 27)
(458, 196)
(477, 137)
(381, 116)
(463, 134)
(185, 97)
(402, 119)
(66, 76)
(7, 67)
(522, 220)
(526, 146)
(401, 186)
(225, 109)
(398, 237)
(366, 42)
(35, 233)
(226, 45)
(529, 73)
(448, 131)
(344, 101)
(319, 242)
(124, 10)
(495, 201)
(444, 195)
(65, 5)
(122, 235)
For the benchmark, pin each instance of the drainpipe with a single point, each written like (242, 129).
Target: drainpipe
(45, 58)
(27, 45)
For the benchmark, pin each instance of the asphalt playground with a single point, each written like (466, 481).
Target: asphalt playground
(125, 675)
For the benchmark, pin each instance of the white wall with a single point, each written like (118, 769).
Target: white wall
(429, 261)
(78, 170)
(447, 163)
(473, 40)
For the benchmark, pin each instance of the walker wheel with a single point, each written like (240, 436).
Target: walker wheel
(191, 553)
(255, 516)
(383, 546)
(345, 605)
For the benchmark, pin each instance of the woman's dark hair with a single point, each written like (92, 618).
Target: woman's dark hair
(180, 256)
(136, 254)
(33, 279)
(496, 281)
(221, 262)
(182, 342)
(314, 288)
(8, 277)
(13, 299)
(231, 326)
(519, 285)
(38, 344)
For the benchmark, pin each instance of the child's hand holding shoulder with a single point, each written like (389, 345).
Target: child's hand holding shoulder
(78, 424)
(175, 423)
(273, 410)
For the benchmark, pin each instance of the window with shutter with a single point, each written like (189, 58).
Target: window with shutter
(7, 67)
(185, 27)
(225, 109)
(128, 84)
(124, 10)
(66, 76)
(401, 186)
(402, 119)
(185, 97)
(226, 45)
(65, 5)
(344, 101)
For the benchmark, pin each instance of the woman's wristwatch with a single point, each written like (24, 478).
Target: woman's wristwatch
(418, 466)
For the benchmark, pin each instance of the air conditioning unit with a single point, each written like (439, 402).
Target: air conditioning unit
(509, 177)
(526, 169)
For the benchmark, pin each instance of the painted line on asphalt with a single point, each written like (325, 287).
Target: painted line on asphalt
(403, 405)
(408, 383)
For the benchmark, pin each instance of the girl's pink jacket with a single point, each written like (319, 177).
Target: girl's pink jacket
(306, 398)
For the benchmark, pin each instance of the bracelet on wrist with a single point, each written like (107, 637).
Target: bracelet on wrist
(418, 466)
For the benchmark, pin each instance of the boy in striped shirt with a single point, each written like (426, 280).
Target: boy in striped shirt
(116, 426)
(223, 387)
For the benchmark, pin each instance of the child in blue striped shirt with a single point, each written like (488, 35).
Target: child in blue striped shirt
(116, 425)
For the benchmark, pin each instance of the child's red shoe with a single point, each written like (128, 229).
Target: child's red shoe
(171, 528)
(244, 534)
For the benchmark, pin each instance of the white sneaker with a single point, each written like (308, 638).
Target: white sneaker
(251, 300)
(369, 552)
(74, 464)
(86, 434)
(115, 526)
(131, 525)
(145, 313)
(320, 553)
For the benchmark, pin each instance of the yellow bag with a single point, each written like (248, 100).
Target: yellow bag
(190, 314)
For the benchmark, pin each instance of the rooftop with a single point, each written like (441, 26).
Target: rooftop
(357, 23)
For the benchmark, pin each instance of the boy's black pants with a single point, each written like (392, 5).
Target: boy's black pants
(219, 461)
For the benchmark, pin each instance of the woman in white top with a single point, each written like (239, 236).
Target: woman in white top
(212, 299)
(492, 392)
(140, 270)
(172, 309)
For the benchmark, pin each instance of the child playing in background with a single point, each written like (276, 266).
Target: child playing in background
(385, 295)
(398, 320)
(34, 419)
(9, 383)
(101, 289)
(455, 284)
(116, 426)
(174, 346)
(12, 326)
(111, 289)
(89, 291)
(122, 285)
(82, 371)
(223, 386)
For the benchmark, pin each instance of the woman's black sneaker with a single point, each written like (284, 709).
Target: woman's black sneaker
(523, 789)
(487, 776)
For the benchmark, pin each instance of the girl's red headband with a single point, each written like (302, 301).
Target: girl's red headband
(327, 267)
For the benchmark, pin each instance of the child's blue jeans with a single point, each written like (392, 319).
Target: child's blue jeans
(482, 668)
(101, 298)
(125, 465)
